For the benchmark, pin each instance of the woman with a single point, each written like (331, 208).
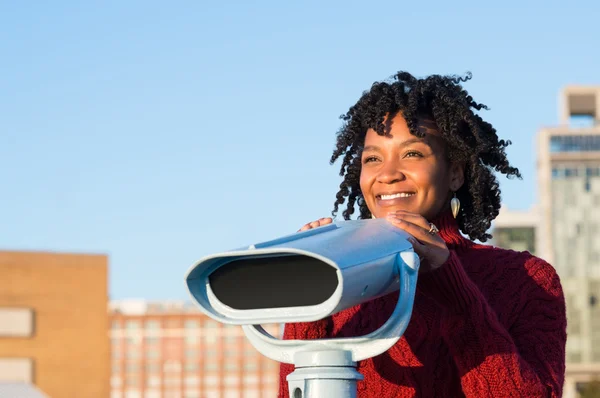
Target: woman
(486, 322)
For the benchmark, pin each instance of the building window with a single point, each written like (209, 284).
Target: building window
(575, 143)
(211, 324)
(133, 393)
(211, 380)
(230, 393)
(116, 381)
(230, 381)
(134, 340)
(573, 325)
(249, 351)
(192, 324)
(152, 367)
(251, 393)
(211, 365)
(592, 171)
(132, 367)
(132, 325)
(250, 379)
(172, 366)
(191, 394)
(191, 366)
(574, 357)
(250, 365)
(191, 353)
(231, 365)
(192, 340)
(210, 353)
(132, 380)
(151, 340)
(192, 381)
(152, 393)
(152, 325)
(571, 172)
(210, 337)
(153, 381)
(133, 354)
(116, 352)
(230, 353)
(152, 353)
(231, 339)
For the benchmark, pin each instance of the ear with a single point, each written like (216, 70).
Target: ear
(457, 175)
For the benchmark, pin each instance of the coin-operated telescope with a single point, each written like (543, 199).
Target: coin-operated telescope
(305, 277)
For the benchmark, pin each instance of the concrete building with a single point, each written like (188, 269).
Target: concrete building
(569, 235)
(53, 324)
(569, 229)
(564, 228)
(171, 350)
(516, 229)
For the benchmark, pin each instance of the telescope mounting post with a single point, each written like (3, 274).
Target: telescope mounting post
(326, 368)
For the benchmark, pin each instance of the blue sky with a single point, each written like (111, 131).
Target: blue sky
(157, 134)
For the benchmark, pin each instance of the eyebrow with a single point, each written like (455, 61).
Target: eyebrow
(402, 145)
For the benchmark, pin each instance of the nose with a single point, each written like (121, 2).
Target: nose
(389, 173)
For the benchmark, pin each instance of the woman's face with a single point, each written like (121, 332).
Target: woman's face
(404, 172)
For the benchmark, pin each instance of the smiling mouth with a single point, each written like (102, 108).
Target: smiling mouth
(395, 195)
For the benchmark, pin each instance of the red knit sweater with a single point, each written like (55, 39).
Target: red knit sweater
(488, 323)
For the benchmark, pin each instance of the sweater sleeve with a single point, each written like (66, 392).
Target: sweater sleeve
(300, 331)
(528, 360)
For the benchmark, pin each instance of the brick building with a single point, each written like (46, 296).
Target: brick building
(53, 323)
(171, 350)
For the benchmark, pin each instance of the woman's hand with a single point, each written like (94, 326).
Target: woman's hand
(431, 248)
(320, 222)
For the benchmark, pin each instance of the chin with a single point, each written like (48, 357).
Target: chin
(384, 211)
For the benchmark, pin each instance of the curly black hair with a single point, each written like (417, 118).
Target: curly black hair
(467, 136)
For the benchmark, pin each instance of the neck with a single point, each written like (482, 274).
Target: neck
(448, 227)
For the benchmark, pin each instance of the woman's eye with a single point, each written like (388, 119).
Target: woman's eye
(411, 154)
(370, 159)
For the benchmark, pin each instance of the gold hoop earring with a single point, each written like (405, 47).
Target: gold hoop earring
(455, 205)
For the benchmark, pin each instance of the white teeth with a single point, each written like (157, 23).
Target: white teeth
(396, 195)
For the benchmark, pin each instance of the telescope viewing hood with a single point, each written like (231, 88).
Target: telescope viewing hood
(305, 276)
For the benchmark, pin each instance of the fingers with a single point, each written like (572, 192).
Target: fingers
(419, 247)
(315, 224)
(417, 231)
(414, 218)
(432, 249)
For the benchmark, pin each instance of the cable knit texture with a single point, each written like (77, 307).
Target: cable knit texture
(488, 323)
